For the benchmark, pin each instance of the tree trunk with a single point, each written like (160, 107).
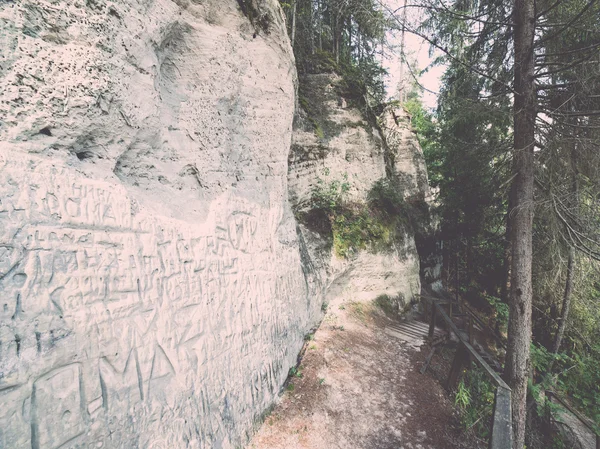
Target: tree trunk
(505, 288)
(566, 305)
(402, 84)
(468, 262)
(521, 291)
(320, 19)
(311, 27)
(294, 22)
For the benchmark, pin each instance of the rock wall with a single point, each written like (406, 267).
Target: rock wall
(334, 142)
(155, 287)
(152, 291)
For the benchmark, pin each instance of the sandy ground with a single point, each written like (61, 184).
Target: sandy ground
(357, 387)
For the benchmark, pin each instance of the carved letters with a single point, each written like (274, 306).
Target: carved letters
(111, 322)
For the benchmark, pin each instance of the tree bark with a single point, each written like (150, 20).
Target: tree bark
(521, 291)
(401, 84)
(294, 22)
(505, 288)
(320, 19)
(566, 305)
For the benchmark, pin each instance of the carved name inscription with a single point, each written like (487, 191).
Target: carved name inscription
(125, 330)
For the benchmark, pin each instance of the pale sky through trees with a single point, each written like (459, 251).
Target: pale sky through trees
(416, 50)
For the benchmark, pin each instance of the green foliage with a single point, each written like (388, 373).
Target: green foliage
(361, 81)
(387, 197)
(376, 225)
(469, 162)
(330, 36)
(321, 61)
(328, 196)
(581, 383)
(295, 371)
(500, 312)
(355, 230)
(475, 401)
(578, 377)
(462, 399)
(423, 123)
(261, 20)
(389, 304)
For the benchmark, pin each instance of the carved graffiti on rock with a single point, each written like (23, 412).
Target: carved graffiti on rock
(112, 322)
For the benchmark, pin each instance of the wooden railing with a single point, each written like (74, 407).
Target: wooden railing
(501, 435)
(579, 416)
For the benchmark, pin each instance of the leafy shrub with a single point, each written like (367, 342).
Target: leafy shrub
(578, 378)
(581, 383)
(376, 225)
(354, 230)
(475, 400)
(321, 61)
(387, 198)
(328, 196)
(362, 80)
(389, 304)
(500, 312)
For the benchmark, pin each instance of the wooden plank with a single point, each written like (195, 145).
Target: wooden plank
(418, 330)
(415, 325)
(471, 329)
(501, 437)
(408, 332)
(461, 358)
(432, 322)
(488, 369)
(433, 299)
(477, 318)
(502, 421)
(428, 360)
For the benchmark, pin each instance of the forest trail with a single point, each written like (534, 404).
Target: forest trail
(359, 386)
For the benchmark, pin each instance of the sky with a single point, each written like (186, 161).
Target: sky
(416, 49)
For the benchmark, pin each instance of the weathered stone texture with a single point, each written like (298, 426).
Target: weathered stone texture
(128, 330)
(332, 141)
(151, 288)
(154, 290)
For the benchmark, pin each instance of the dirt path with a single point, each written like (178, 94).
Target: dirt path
(360, 388)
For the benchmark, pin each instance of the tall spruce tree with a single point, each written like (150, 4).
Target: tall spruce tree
(550, 49)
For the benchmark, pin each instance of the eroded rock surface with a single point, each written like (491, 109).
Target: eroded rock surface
(334, 142)
(150, 276)
(154, 287)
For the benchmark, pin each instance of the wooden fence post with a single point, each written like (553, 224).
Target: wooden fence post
(470, 329)
(460, 359)
(502, 420)
(432, 322)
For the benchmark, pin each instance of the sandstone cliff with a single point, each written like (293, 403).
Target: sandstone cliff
(156, 286)
(357, 247)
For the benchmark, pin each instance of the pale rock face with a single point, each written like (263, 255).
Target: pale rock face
(408, 163)
(154, 287)
(334, 143)
(151, 284)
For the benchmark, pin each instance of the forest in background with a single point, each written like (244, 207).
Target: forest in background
(513, 157)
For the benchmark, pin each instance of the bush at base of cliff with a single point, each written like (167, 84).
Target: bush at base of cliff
(355, 229)
(378, 225)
